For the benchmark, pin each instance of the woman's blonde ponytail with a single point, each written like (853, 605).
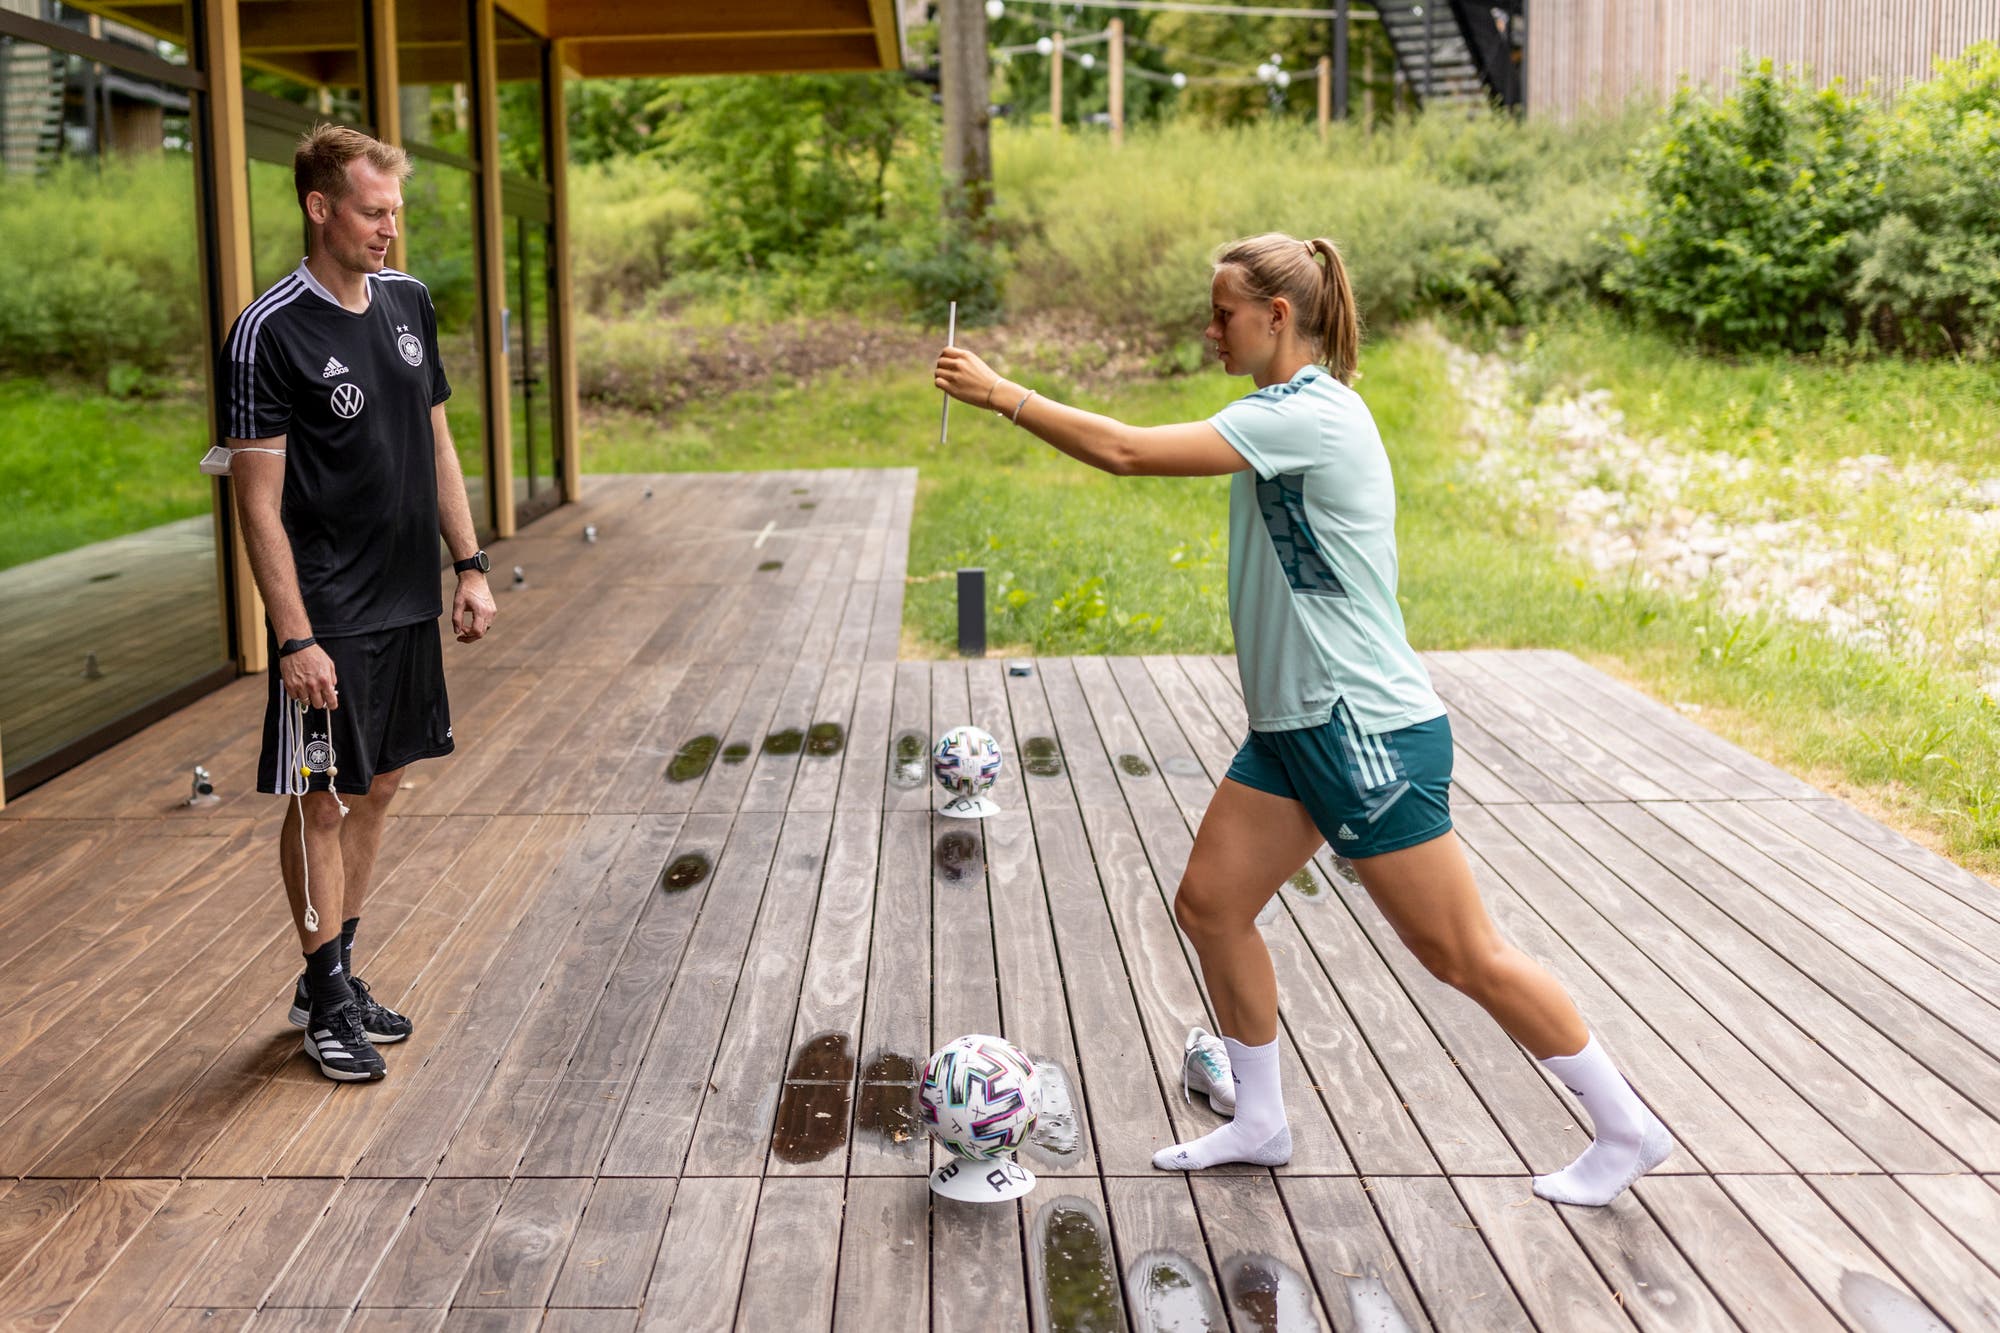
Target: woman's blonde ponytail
(1342, 329)
(1312, 276)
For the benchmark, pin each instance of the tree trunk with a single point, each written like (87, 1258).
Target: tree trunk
(962, 77)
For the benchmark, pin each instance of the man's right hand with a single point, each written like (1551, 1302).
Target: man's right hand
(309, 677)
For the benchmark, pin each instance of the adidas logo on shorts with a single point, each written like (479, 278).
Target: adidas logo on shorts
(1347, 834)
(333, 368)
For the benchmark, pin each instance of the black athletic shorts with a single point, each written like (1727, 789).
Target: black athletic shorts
(392, 711)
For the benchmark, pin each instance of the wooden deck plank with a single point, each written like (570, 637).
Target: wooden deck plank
(51, 1279)
(1551, 1275)
(1649, 1278)
(1943, 1272)
(1966, 1205)
(1454, 1272)
(353, 1234)
(171, 1247)
(1566, 756)
(1849, 1278)
(885, 1256)
(1656, 910)
(30, 1210)
(894, 1042)
(494, 1135)
(732, 1134)
(427, 1263)
(522, 1253)
(794, 1255)
(1034, 1004)
(1571, 892)
(1714, 1134)
(615, 1245)
(1798, 976)
(1726, 1248)
(1264, 1274)
(976, 1275)
(1354, 1262)
(258, 1246)
(666, 1093)
(1169, 1281)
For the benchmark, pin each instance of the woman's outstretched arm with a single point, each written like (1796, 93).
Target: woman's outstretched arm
(1188, 449)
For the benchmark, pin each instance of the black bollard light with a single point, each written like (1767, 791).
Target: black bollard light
(972, 613)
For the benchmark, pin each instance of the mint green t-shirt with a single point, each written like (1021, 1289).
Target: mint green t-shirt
(1312, 562)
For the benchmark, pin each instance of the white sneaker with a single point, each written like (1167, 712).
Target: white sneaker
(1205, 1069)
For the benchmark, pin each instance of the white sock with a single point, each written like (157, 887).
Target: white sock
(1629, 1139)
(1258, 1134)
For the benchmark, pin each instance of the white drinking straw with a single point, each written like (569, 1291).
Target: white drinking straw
(950, 340)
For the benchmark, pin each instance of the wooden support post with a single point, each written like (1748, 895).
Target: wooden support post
(1340, 65)
(1118, 83)
(562, 349)
(226, 186)
(386, 90)
(1055, 85)
(493, 274)
(1325, 96)
(963, 79)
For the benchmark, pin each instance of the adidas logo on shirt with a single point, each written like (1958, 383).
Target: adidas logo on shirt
(1347, 834)
(333, 368)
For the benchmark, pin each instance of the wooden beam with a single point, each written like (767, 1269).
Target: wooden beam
(739, 19)
(562, 310)
(387, 85)
(226, 184)
(787, 56)
(493, 276)
(888, 41)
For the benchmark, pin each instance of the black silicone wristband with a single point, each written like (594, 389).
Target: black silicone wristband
(290, 646)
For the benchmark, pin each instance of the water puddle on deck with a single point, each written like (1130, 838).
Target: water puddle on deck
(789, 741)
(1058, 1133)
(1373, 1305)
(1075, 1279)
(957, 857)
(1345, 869)
(887, 1106)
(912, 766)
(1305, 883)
(692, 759)
(1181, 766)
(1172, 1295)
(825, 738)
(685, 871)
(1266, 1296)
(769, 565)
(1134, 766)
(106, 578)
(1878, 1307)
(814, 1105)
(808, 504)
(1042, 757)
(735, 752)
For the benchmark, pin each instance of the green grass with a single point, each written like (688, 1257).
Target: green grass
(1080, 562)
(78, 467)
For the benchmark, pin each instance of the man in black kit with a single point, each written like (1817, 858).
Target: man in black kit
(345, 476)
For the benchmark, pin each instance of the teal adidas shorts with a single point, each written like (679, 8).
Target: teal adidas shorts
(1366, 794)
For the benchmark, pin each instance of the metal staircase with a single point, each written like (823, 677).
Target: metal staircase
(1458, 52)
(31, 106)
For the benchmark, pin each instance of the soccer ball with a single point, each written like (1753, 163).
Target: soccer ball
(979, 1097)
(965, 761)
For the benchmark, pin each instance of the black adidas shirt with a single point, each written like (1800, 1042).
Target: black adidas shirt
(352, 394)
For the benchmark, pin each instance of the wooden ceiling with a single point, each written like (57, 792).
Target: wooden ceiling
(318, 41)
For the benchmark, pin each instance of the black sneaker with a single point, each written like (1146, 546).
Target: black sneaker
(382, 1025)
(335, 1042)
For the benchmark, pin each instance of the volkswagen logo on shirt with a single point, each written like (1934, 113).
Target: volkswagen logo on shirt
(347, 400)
(412, 350)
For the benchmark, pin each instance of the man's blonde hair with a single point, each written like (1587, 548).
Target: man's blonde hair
(324, 152)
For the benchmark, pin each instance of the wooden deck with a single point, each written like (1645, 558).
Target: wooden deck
(677, 927)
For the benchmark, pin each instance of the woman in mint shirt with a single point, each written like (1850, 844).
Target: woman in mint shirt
(1348, 742)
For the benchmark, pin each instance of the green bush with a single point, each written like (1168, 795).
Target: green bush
(1485, 217)
(630, 221)
(1748, 213)
(100, 268)
(1928, 274)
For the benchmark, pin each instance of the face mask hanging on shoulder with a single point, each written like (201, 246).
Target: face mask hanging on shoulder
(215, 462)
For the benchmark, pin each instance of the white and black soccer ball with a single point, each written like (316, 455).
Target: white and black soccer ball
(979, 1097)
(966, 761)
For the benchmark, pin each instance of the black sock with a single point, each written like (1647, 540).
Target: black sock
(326, 977)
(347, 944)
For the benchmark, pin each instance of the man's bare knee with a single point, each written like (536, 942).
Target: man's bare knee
(322, 812)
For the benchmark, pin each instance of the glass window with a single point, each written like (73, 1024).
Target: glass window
(523, 131)
(108, 592)
(529, 288)
(434, 68)
(438, 248)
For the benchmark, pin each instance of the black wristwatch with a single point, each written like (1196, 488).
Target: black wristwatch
(477, 560)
